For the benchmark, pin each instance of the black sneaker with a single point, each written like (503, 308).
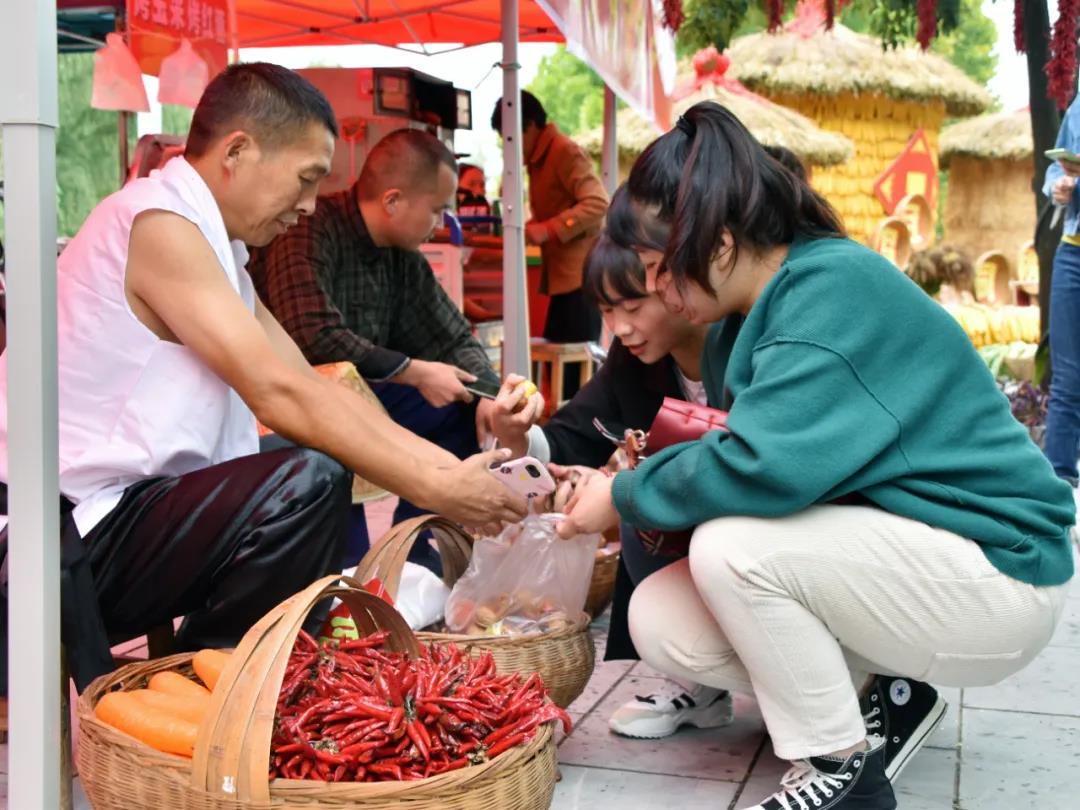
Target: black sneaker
(829, 783)
(904, 713)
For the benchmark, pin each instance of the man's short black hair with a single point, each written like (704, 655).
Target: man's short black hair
(274, 104)
(405, 159)
(531, 110)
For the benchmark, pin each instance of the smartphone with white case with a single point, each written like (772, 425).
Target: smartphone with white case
(525, 476)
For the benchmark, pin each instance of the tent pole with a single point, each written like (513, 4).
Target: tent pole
(28, 117)
(515, 289)
(609, 153)
(609, 171)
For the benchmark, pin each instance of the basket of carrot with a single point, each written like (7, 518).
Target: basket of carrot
(285, 721)
(563, 656)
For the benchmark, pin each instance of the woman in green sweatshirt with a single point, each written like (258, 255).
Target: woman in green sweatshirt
(874, 508)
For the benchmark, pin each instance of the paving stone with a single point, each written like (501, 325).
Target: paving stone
(722, 753)
(1047, 685)
(594, 788)
(605, 675)
(1013, 760)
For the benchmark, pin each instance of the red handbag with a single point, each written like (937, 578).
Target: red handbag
(676, 421)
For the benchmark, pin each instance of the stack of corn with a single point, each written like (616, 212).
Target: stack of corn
(880, 128)
(987, 325)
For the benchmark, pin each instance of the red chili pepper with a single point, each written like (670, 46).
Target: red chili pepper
(502, 745)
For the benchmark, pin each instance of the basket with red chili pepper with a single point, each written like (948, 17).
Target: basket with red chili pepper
(374, 723)
(357, 712)
(563, 656)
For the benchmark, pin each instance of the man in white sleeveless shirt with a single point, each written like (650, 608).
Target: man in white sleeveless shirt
(166, 358)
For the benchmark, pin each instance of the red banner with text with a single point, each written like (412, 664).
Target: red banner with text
(157, 27)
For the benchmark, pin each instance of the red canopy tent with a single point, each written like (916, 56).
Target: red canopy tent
(275, 23)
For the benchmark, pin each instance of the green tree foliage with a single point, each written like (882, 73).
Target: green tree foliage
(175, 120)
(570, 91)
(87, 149)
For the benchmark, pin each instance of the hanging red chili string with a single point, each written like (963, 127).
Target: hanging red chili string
(1061, 68)
(673, 15)
(830, 14)
(1018, 26)
(927, 13)
(775, 9)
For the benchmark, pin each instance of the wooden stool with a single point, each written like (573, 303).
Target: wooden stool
(555, 356)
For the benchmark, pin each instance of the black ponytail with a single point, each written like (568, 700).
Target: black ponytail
(708, 175)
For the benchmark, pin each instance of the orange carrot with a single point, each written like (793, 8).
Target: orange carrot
(209, 665)
(186, 708)
(159, 730)
(176, 684)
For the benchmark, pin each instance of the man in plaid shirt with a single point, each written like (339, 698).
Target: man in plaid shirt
(349, 283)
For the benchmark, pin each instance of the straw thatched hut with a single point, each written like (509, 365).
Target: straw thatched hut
(770, 123)
(988, 203)
(846, 82)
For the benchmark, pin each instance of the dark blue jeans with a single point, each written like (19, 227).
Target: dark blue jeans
(1063, 416)
(452, 428)
(639, 562)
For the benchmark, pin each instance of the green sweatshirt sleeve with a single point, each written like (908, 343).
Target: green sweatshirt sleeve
(800, 432)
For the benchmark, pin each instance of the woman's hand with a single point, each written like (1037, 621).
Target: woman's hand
(591, 509)
(567, 479)
(513, 414)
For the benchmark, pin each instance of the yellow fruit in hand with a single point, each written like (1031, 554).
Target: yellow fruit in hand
(528, 389)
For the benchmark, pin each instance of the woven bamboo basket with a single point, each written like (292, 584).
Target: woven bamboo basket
(564, 658)
(232, 752)
(602, 586)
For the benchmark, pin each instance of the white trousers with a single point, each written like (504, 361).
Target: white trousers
(799, 610)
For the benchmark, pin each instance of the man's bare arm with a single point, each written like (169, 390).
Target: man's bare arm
(175, 282)
(290, 353)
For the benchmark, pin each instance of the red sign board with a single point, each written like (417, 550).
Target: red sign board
(156, 28)
(913, 172)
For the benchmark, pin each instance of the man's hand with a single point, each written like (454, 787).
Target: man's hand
(513, 414)
(438, 383)
(474, 497)
(536, 233)
(591, 509)
(1062, 190)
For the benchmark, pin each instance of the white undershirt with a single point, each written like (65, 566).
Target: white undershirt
(694, 390)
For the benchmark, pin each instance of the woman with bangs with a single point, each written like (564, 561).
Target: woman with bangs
(655, 354)
(875, 508)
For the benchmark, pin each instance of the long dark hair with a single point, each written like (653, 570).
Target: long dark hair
(706, 176)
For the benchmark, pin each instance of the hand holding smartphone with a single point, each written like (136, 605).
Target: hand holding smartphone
(526, 476)
(1062, 154)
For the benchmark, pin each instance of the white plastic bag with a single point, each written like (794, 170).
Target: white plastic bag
(183, 77)
(118, 83)
(526, 580)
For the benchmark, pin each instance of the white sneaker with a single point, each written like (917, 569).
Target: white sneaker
(677, 704)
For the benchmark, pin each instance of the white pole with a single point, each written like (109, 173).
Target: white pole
(28, 117)
(609, 171)
(515, 289)
(609, 152)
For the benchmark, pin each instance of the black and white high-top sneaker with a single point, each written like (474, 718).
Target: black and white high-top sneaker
(677, 704)
(829, 783)
(904, 713)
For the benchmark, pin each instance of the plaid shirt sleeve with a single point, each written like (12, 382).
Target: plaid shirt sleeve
(294, 275)
(430, 326)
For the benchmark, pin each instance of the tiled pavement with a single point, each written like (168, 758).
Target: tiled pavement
(1014, 746)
